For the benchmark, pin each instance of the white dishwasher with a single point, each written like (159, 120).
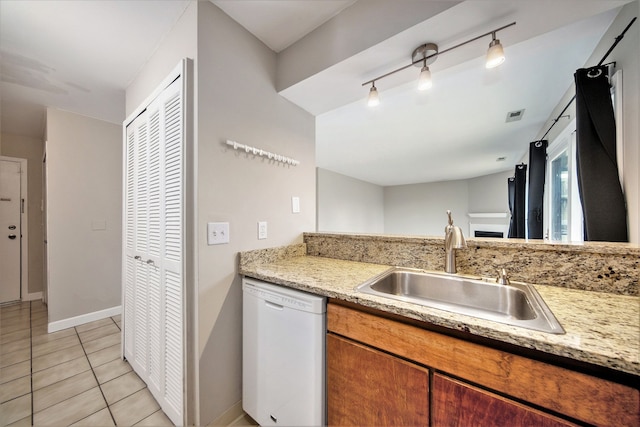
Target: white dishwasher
(283, 366)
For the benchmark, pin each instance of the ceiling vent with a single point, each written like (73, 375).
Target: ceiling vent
(514, 116)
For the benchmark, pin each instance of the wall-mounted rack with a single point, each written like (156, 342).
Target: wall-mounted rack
(260, 152)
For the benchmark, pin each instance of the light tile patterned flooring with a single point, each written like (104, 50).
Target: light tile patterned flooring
(71, 377)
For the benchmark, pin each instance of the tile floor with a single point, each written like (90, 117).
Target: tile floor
(71, 377)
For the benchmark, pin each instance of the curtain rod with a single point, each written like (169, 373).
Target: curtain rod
(615, 43)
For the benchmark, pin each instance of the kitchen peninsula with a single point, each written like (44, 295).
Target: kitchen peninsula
(591, 288)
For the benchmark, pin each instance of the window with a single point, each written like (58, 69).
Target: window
(562, 200)
(616, 99)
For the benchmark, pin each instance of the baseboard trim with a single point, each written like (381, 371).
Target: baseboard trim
(229, 416)
(32, 296)
(83, 318)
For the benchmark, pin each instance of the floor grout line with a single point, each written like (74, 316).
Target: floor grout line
(96, 378)
(29, 325)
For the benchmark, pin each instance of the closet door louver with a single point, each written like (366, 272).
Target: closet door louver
(154, 313)
(173, 249)
(154, 249)
(129, 261)
(141, 234)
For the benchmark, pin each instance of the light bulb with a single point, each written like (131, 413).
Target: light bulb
(495, 54)
(424, 82)
(373, 97)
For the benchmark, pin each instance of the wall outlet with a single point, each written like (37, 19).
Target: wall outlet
(262, 230)
(295, 204)
(217, 233)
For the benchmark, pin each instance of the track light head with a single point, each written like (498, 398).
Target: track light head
(495, 54)
(424, 82)
(373, 99)
(424, 55)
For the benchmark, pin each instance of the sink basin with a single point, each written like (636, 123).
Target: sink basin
(517, 304)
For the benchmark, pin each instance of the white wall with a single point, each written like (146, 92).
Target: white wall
(347, 204)
(357, 28)
(235, 98)
(84, 187)
(421, 208)
(489, 193)
(29, 148)
(238, 101)
(180, 43)
(627, 58)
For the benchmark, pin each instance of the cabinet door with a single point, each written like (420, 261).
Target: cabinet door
(369, 387)
(455, 403)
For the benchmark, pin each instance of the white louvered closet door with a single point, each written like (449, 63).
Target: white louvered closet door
(135, 230)
(154, 249)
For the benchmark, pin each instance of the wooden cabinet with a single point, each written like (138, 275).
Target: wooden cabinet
(369, 387)
(491, 386)
(455, 403)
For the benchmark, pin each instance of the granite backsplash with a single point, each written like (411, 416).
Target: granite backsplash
(592, 266)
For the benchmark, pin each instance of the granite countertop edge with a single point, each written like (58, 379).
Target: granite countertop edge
(601, 329)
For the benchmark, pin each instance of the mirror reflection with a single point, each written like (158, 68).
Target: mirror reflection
(398, 168)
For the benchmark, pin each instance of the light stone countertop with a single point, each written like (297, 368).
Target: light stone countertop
(601, 329)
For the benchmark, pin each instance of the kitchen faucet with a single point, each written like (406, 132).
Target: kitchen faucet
(453, 239)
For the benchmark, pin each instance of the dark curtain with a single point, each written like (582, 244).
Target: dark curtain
(537, 172)
(603, 205)
(516, 202)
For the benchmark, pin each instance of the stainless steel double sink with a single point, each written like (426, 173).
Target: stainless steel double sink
(517, 304)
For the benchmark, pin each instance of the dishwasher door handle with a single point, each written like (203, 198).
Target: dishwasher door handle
(274, 306)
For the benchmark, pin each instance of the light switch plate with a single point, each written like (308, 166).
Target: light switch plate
(295, 204)
(217, 233)
(262, 230)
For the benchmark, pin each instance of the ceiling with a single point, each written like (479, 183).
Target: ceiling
(83, 60)
(280, 23)
(458, 128)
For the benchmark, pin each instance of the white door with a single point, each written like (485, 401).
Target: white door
(10, 231)
(153, 248)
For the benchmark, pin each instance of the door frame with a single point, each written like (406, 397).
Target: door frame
(24, 229)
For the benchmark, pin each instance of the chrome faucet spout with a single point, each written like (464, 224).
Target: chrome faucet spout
(453, 239)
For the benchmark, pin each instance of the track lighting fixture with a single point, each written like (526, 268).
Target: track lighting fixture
(495, 54)
(427, 53)
(373, 96)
